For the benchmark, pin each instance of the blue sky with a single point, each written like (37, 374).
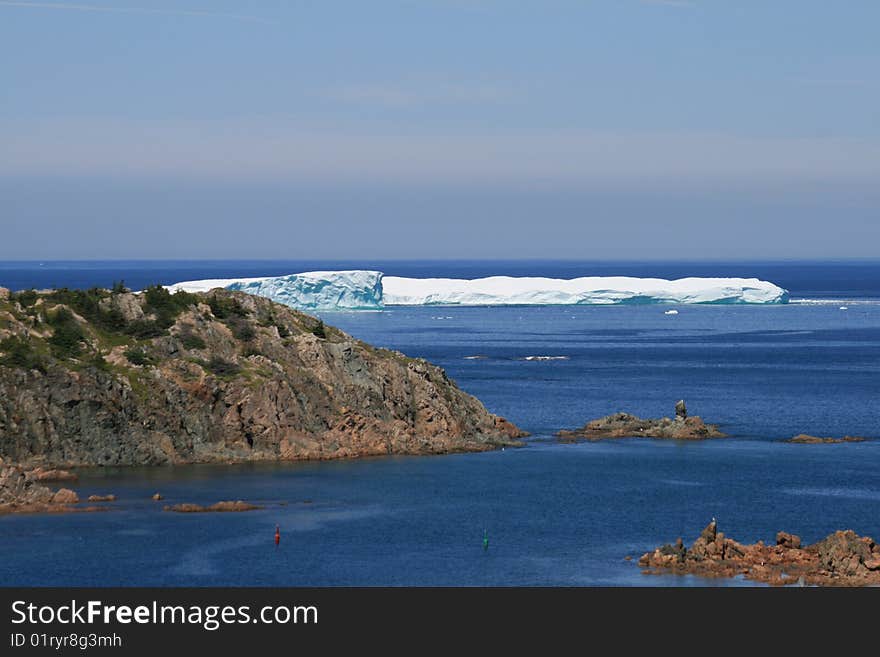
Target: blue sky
(439, 128)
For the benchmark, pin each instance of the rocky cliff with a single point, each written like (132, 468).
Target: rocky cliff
(114, 378)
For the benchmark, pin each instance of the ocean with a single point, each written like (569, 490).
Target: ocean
(555, 514)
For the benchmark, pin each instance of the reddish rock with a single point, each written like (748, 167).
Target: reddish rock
(256, 396)
(65, 496)
(625, 425)
(787, 540)
(184, 508)
(237, 505)
(20, 493)
(842, 559)
(846, 553)
(806, 439)
(39, 474)
(219, 507)
(156, 497)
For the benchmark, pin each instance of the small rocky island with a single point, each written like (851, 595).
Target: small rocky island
(625, 425)
(110, 377)
(842, 559)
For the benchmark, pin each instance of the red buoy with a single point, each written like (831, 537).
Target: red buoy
(277, 534)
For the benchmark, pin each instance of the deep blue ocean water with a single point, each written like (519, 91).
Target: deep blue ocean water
(556, 514)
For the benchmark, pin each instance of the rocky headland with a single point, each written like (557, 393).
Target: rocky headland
(842, 559)
(625, 425)
(102, 377)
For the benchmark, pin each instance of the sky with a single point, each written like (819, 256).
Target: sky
(323, 129)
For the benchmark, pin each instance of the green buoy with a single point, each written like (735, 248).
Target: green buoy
(485, 540)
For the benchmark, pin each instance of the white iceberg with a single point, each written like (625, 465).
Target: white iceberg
(592, 290)
(313, 290)
(361, 290)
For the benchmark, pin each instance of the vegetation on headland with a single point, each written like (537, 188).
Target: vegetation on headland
(101, 377)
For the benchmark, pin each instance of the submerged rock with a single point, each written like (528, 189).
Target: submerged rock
(806, 439)
(102, 498)
(842, 559)
(219, 507)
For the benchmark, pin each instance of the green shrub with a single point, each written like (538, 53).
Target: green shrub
(137, 356)
(241, 329)
(144, 329)
(20, 353)
(97, 361)
(87, 303)
(67, 334)
(225, 307)
(166, 306)
(119, 287)
(319, 329)
(66, 340)
(25, 298)
(84, 302)
(59, 316)
(222, 367)
(283, 331)
(111, 320)
(191, 341)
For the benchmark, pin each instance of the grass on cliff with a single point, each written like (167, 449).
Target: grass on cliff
(137, 356)
(59, 335)
(96, 306)
(21, 354)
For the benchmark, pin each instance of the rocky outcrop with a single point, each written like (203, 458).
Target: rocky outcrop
(842, 559)
(806, 439)
(219, 507)
(101, 378)
(65, 496)
(625, 425)
(20, 493)
(42, 475)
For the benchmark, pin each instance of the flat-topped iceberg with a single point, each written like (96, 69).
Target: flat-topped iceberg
(591, 290)
(372, 290)
(313, 290)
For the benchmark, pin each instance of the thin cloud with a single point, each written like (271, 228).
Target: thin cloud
(835, 82)
(287, 149)
(129, 10)
(398, 97)
(680, 4)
